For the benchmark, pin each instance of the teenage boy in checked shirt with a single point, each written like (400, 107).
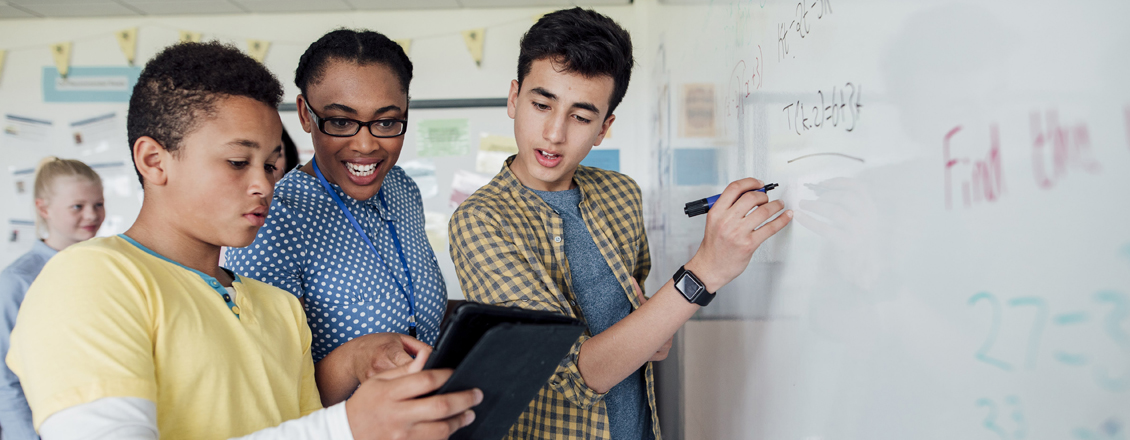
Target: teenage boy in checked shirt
(549, 234)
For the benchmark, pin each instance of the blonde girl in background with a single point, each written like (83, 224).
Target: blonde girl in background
(68, 209)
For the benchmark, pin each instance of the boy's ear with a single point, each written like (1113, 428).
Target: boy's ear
(303, 115)
(151, 160)
(512, 99)
(604, 129)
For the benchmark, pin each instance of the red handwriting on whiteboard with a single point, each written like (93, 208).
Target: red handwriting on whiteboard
(986, 178)
(743, 82)
(1058, 149)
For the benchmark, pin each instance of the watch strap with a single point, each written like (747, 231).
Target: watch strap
(699, 296)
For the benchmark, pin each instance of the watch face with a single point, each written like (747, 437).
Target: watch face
(689, 286)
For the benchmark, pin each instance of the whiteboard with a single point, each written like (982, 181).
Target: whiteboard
(959, 267)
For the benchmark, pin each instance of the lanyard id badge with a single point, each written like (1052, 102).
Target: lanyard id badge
(409, 292)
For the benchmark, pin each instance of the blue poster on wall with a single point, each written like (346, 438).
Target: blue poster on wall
(605, 159)
(90, 84)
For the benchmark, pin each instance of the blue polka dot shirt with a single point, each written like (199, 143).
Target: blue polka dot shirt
(309, 248)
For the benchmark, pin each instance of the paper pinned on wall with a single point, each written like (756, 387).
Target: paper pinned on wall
(127, 38)
(23, 186)
(603, 159)
(463, 184)
(697, 116)
(190, 37)
(443, 137)
(98, 134)
(20, 235)
(696, 166)
(423, 172)
(21, 131)
(493, 152)
(118, 178)
(435, 226)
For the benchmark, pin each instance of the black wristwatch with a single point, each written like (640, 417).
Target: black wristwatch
(691, 287)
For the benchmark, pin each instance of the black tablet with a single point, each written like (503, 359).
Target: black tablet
(470, 321)
(507, 353)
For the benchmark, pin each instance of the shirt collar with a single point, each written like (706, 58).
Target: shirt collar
(508, 179)
(212, 281)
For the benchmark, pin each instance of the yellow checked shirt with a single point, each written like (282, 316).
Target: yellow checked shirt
(508, 248)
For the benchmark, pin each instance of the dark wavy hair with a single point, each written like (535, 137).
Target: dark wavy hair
(584, 42)
(178, 90)
(361, 47)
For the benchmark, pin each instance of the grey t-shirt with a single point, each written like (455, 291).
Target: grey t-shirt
(603, 303)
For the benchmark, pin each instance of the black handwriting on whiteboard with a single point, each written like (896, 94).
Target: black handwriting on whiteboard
(840, 107)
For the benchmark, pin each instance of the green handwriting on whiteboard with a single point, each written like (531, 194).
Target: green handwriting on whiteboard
(991, 423)
(1111, 325)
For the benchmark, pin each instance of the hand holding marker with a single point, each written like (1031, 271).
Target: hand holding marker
(699, 207)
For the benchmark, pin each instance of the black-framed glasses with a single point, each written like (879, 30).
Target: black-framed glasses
(345, 127)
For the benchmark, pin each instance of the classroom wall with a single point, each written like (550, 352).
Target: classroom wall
(443, 70)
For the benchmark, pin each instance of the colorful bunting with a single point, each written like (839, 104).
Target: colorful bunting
(190, 37)
(127, 38)
(258, 49)
(405, 44)
(474, 39)
(62, 54)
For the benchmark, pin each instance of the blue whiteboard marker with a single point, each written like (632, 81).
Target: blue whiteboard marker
(699, 207)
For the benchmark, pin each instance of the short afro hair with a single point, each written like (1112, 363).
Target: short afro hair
(581, 41)
(360, 47)
(179, 87)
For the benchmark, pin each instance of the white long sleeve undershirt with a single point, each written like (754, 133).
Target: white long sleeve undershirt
(132, 418)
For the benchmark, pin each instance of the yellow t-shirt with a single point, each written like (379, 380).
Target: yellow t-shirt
(110, 318)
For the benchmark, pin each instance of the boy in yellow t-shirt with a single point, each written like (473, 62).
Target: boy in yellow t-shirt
(144, 335)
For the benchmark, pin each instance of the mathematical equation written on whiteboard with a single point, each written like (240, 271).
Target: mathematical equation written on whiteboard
(1105, 315)
(799, 26)
(1040, 317)
(1005, 418)
(838, 109)
(745, 78)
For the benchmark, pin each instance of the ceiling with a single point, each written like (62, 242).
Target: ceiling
(128, 8)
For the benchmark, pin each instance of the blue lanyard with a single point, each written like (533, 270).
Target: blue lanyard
(410, 292)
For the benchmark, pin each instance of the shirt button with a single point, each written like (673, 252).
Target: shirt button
(235, 309)
(557, 239)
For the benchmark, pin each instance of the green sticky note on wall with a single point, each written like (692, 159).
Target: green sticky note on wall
(443, 137)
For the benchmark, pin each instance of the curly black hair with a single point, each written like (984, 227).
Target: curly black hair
(178, 90)
(357, 46)
(582, 41)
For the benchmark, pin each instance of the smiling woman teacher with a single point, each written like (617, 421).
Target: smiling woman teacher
(345, 232)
